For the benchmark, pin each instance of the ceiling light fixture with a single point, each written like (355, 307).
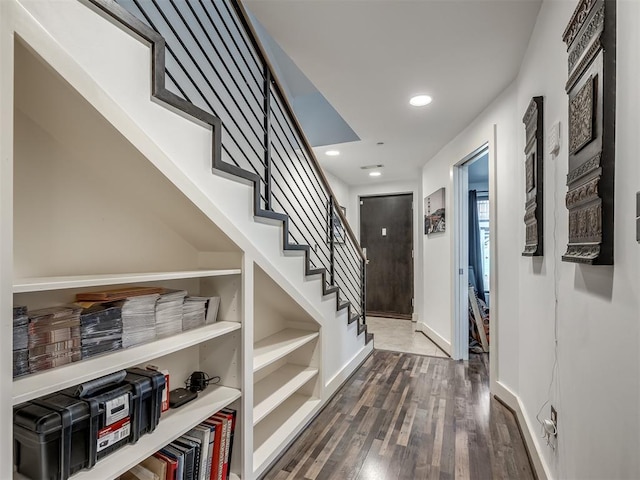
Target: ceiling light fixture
(420, 100)
(375, 174)
(332, 153)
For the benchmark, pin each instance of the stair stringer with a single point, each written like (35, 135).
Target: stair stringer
(110, 69)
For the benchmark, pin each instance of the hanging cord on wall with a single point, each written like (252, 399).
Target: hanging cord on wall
(547, 430)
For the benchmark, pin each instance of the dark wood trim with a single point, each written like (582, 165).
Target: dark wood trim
(399, 316)
(526, 444)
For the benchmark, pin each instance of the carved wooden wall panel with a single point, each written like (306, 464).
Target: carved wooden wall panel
(534, 179)
(591, 43)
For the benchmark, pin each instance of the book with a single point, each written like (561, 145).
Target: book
(157, 466)
(212, 438)
(231, 414)
(189, 458)
(171, 463)
(213, 305)
(139, 472)
(178, 457)
(196, 443)
(202, 433)
(224, 447)
(216, 464)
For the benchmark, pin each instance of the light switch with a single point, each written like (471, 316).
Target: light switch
(384, 232)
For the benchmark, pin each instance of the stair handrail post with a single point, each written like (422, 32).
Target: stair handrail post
(332, 241)
(267, 137)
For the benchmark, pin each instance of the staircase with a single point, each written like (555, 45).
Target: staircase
(209, 65)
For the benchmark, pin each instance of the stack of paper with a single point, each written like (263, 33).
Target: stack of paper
(100, 329)
(139, 320)
(169, 312)
(194, 312)
(20, 341)
(54, 337)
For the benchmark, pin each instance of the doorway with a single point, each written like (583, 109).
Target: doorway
(386, 234)
(472, 254)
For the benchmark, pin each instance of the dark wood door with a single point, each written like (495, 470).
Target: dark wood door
(386, 231)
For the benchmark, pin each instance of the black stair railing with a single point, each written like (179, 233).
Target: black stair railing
(209, 63)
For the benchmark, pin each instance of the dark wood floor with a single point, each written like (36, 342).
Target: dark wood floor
(404, 416)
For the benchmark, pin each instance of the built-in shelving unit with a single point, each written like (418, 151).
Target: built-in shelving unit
(88, 210)
(38, 284)
(286, 370)
(279, 345)
(277, 428)
(274, 389)
(38, 384)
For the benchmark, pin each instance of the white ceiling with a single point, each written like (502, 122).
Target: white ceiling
(368, 57)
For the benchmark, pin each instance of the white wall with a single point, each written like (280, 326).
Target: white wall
(437, 259)
(596, 387)
(340, 190)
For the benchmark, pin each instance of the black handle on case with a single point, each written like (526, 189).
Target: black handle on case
(87, 388)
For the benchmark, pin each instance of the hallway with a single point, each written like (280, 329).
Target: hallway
(404, 416)
(400, 336)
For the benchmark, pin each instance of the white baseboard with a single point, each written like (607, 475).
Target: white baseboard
(528, 430)
(345, 372)
(434, 337)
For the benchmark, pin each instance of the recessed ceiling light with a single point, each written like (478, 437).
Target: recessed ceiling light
(375, 174)
(420, 100)
(332, 153)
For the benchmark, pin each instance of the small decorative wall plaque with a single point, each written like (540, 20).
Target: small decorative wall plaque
(591, 43)
(534, 179)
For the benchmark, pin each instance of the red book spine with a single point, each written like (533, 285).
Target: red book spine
(172, 465)
(215, 461)
(227, 441)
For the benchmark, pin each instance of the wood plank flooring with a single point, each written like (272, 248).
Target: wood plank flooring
(409, 417)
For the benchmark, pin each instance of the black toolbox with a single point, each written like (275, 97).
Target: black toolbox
(148, 386)
(52, 437)
(57, 435)
(113, 403)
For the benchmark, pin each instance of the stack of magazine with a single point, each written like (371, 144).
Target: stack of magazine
(169, 311)
(54, 337)
(20, 341)
(100, 329)
(138, 310)
(139, 320)
(194, 312)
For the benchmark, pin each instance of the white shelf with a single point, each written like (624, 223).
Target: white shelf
(277, 429)
(38, 384)
(274, 389)
(40, 284)
(172, 424)
(281, 344)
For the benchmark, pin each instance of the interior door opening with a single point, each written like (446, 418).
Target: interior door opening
(472, 254)
(386, 232)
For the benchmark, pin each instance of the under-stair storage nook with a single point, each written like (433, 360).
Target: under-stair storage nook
(90, 213)
(92, 199)
(286, 368)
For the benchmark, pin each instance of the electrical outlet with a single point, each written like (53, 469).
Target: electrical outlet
(554, 418)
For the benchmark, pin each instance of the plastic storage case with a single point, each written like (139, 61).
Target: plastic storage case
(52, 437)
(62, 433)
(148, 386)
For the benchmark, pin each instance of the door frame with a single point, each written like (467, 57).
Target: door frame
(415, 224)
(460, 324)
